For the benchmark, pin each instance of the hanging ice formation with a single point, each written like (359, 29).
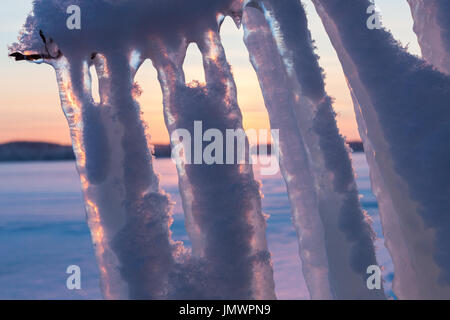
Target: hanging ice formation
(402, 111)
(432, 26)
(402, 108)
(128, 214)
(314, 159)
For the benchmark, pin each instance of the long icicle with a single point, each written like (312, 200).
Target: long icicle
(390, 89)
(168, 62)
(299, 182)
(332, 182)
(432, 26)
(219, 220)
(220, 84)
(121, 193)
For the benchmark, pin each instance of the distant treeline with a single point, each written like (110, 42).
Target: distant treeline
(42, 151)
(356, 146)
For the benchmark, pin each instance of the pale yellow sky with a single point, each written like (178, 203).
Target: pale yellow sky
(29, 101)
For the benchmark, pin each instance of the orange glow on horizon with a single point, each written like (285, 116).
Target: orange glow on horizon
(52, 126)
(36, 115)
(30, 108)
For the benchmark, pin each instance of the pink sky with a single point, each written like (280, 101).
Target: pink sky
(29, 101)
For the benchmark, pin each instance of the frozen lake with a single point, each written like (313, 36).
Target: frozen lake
(43, 230)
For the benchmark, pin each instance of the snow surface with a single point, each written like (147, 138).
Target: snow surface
(44, 231)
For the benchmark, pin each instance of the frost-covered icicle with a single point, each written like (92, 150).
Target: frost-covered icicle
(432, 26)
(222, 202)
(168, 62)
(300, 185)
(403, 116)
(143, 244)
(315, 161)
(127, 213)
(242, 197)
(73, 85)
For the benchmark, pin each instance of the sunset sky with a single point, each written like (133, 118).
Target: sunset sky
(29, 101)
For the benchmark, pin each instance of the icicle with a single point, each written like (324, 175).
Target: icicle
(168, 63)
(279, 100)
(144, 243)
(220, 85)
(222, 202)
(431, 24)
(319, 176)
(127, 213)
(402, 111)
(73, 105)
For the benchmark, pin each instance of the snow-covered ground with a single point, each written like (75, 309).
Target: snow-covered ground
(43, 230)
